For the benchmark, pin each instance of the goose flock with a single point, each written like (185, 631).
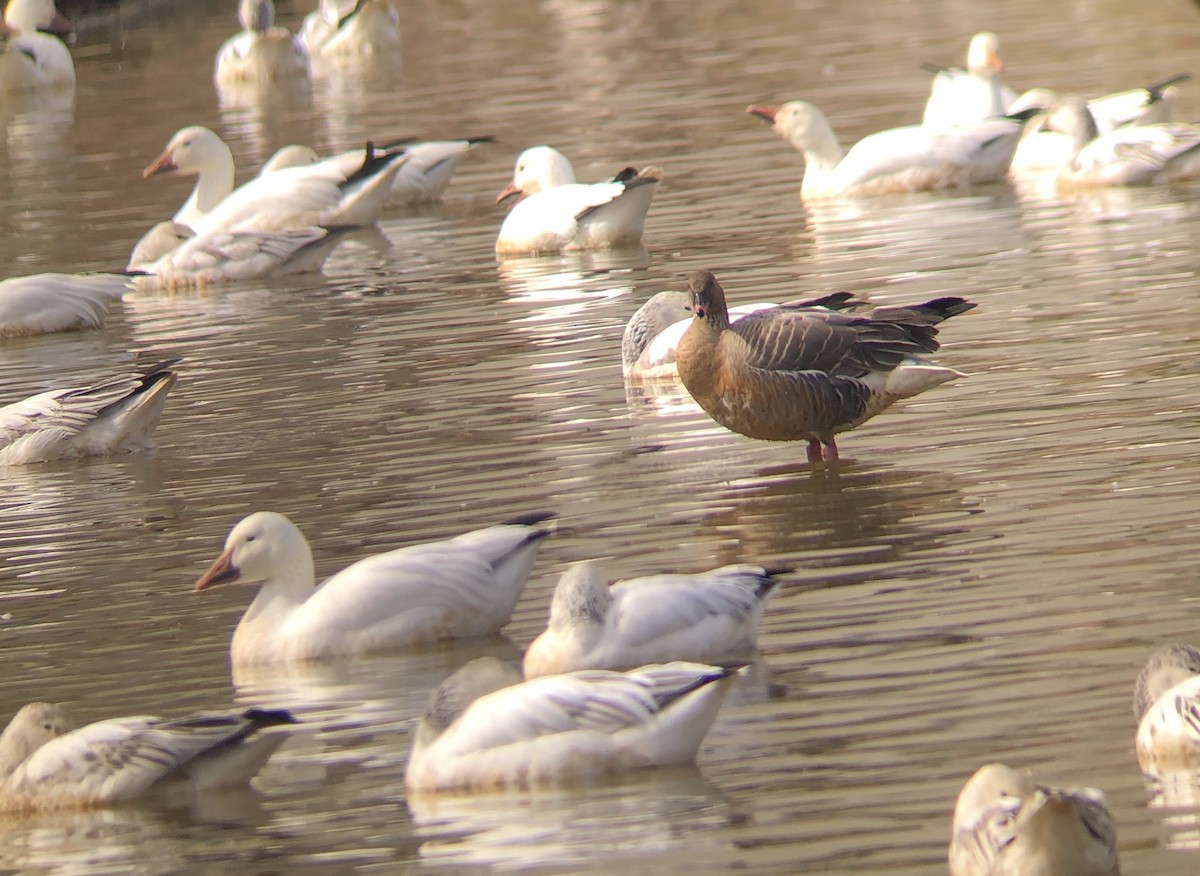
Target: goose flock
(628, 675)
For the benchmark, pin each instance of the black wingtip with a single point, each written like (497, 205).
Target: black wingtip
(531, 519)
(269, 717)
(1025, 114)
(1156, 89)
(930, 67)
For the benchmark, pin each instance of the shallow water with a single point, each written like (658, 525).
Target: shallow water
(980, 578)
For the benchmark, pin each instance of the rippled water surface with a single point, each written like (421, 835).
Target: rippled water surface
(980, 578)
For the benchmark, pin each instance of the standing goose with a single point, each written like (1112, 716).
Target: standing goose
(45, 764)
(462, 587)
(348, 28)
(963, 97)
(31, 59)
(261, 53)
(1166, 705)
(555, 213)
(801, 374)
(44, 303)
(711, 617)
(485, 729)
(1005, 825)
(910, 159)
(110, 417)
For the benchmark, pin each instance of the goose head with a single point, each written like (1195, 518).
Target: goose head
(256, 15)
(537, 169)
(31, 728)
(261, 547)
(992, 785)
(290, 156)
(190, 152)
(163, 238)
(801, 124)
(451, 698)
(983, 55)
(581, 597)
(29, 16)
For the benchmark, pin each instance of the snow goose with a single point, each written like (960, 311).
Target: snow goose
(288, 198)
(1166, 705)
(484, 729)
(29, 59)
(1005, 824)
(261, 52)
(466, 586)
(110, 417)
(423, 177)
(555, 213)
(910, 159)
(962, 97)
(171, 257)
(796, 374)
(1129, 156)
(45, 764)
(711, 617)
(352, 27)
(44, 303)
(653, 332)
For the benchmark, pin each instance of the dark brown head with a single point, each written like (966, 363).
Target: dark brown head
(708, 298)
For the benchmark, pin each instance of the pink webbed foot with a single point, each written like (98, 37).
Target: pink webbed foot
(814, 452)
(829, 452)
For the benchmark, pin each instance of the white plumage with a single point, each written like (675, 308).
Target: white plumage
(31, 60)
(44, 303)
(261, 53)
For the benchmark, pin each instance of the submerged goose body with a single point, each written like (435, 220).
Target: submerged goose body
(910, 159)
(556, 213)
(1166, 706)
(170, 256)
(711, 617)
(110, 417)
(348, 28)
(485, 729)
(44, 303)
(45, 764)
(1005, 825)
(261, 53)
(462, 587)
(963, 97)
(31, 60)
(292, 197)
(799, 374)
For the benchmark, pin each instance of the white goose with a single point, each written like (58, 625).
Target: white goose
(31, 60)
(171, 257)
(556, 213)
(110, 417)
(962, 97)
(423, 177)
(653, 332)
(288, 198)
(1005, 824)
(711, 617)
(484, 730)
(1166, 705)
(44, 303)
(910, 159)
(352, 27)
(261, 53)
(45, 764)
(466, 586)
(1129, 156)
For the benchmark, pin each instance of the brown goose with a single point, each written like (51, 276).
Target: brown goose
(790, 374)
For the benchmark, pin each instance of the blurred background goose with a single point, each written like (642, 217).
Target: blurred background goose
(461, 587)
(45, 764)
(1166, 706)
(486, 729)
(116, 415)
(261, 52)
(804, 374)
(352, 27)
(32, 57)
(710, 617)
(961, 97)
(44, 303)
(1006, 824)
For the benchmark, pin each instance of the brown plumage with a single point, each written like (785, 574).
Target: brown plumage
(792, 374)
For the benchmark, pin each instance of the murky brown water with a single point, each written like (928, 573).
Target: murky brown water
(981, 578)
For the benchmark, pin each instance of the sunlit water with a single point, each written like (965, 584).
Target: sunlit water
(980, 578)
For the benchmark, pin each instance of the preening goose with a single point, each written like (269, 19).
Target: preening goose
(462, 587)
(29, 58)
(916, 158)
(1166, 706)
(341, 28)
(555, 213)
(485, 729)
(261, 53)
(710, 617)
(1005, 825)
(44, 303)
(45, 764)
(116, 415)
(963, 97)
(804, 374)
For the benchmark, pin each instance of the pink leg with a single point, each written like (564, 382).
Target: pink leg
(830, 452)
(814, 452)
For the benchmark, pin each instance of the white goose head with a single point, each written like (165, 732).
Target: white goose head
(983, 55)
(29, 16)
(256, 15)
(538, 168)
(262, 547)
(191, 151)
